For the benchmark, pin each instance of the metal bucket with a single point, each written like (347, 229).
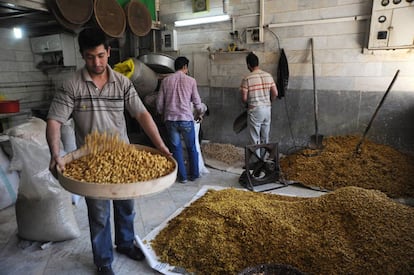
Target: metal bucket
(144, 79)
(160, 63)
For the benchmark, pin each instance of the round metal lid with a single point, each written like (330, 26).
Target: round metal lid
(138, 18)
(110, 17)
(53, 8)
(76, 11)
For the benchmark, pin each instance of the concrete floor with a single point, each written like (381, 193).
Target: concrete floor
(71, 257)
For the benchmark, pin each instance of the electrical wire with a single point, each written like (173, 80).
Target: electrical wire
(317, 152)
(285, 101)
(276, 36)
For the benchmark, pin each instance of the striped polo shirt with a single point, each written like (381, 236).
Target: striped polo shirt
(93, 109)
(257, 84)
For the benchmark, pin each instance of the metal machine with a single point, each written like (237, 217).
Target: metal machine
(262, 171)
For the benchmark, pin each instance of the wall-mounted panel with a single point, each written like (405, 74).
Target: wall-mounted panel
(392, 24)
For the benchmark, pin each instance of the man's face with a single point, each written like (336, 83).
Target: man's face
(96, 59)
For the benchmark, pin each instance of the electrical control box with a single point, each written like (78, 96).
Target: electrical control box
(254, 35)
(55, 49)
(169, 40)
(392, 24)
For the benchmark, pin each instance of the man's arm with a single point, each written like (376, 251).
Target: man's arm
(150, 128)
(244, 93)
(244, 90)
(273, 93)
(159, 102)
(53, 140)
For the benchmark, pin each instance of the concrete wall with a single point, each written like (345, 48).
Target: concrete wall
(340, 113)
(350, 80)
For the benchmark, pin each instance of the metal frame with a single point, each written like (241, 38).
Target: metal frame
(265, 166)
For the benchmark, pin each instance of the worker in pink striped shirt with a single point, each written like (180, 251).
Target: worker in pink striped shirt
(176, 99)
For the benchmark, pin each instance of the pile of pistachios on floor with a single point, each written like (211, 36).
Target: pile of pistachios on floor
(226, 153)
(337, 164)
(357, 228)
(349, 231)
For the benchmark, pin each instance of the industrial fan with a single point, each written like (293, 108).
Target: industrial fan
(200, 5)
(261, 166)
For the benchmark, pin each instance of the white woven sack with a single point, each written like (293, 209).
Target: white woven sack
(43, 208)
(9, 182)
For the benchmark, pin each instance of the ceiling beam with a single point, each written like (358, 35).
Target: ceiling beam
(32, 4)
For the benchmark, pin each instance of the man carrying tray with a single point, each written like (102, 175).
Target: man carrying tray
(96, 97)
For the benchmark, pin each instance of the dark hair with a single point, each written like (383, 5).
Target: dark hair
(252, 60)
(180, 62)
(90, 38)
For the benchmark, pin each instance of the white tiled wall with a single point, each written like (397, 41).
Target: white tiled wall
(19, 78)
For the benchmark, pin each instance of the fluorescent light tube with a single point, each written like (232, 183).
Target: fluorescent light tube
(202, 20)
(18, 33)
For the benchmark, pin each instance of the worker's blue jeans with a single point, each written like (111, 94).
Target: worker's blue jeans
(184, 129)
(99, 215)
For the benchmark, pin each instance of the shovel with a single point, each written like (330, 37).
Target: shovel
(358, 147)
(316, 139)
(240, 123)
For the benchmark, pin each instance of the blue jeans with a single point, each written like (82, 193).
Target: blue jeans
(99, 215)
(184, 129)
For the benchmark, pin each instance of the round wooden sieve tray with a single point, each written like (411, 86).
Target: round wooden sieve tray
(116, 191)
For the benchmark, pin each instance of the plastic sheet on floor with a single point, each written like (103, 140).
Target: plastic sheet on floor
(145, 244)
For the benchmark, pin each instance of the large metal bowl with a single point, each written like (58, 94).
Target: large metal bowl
(111, 190)
(159, 63)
